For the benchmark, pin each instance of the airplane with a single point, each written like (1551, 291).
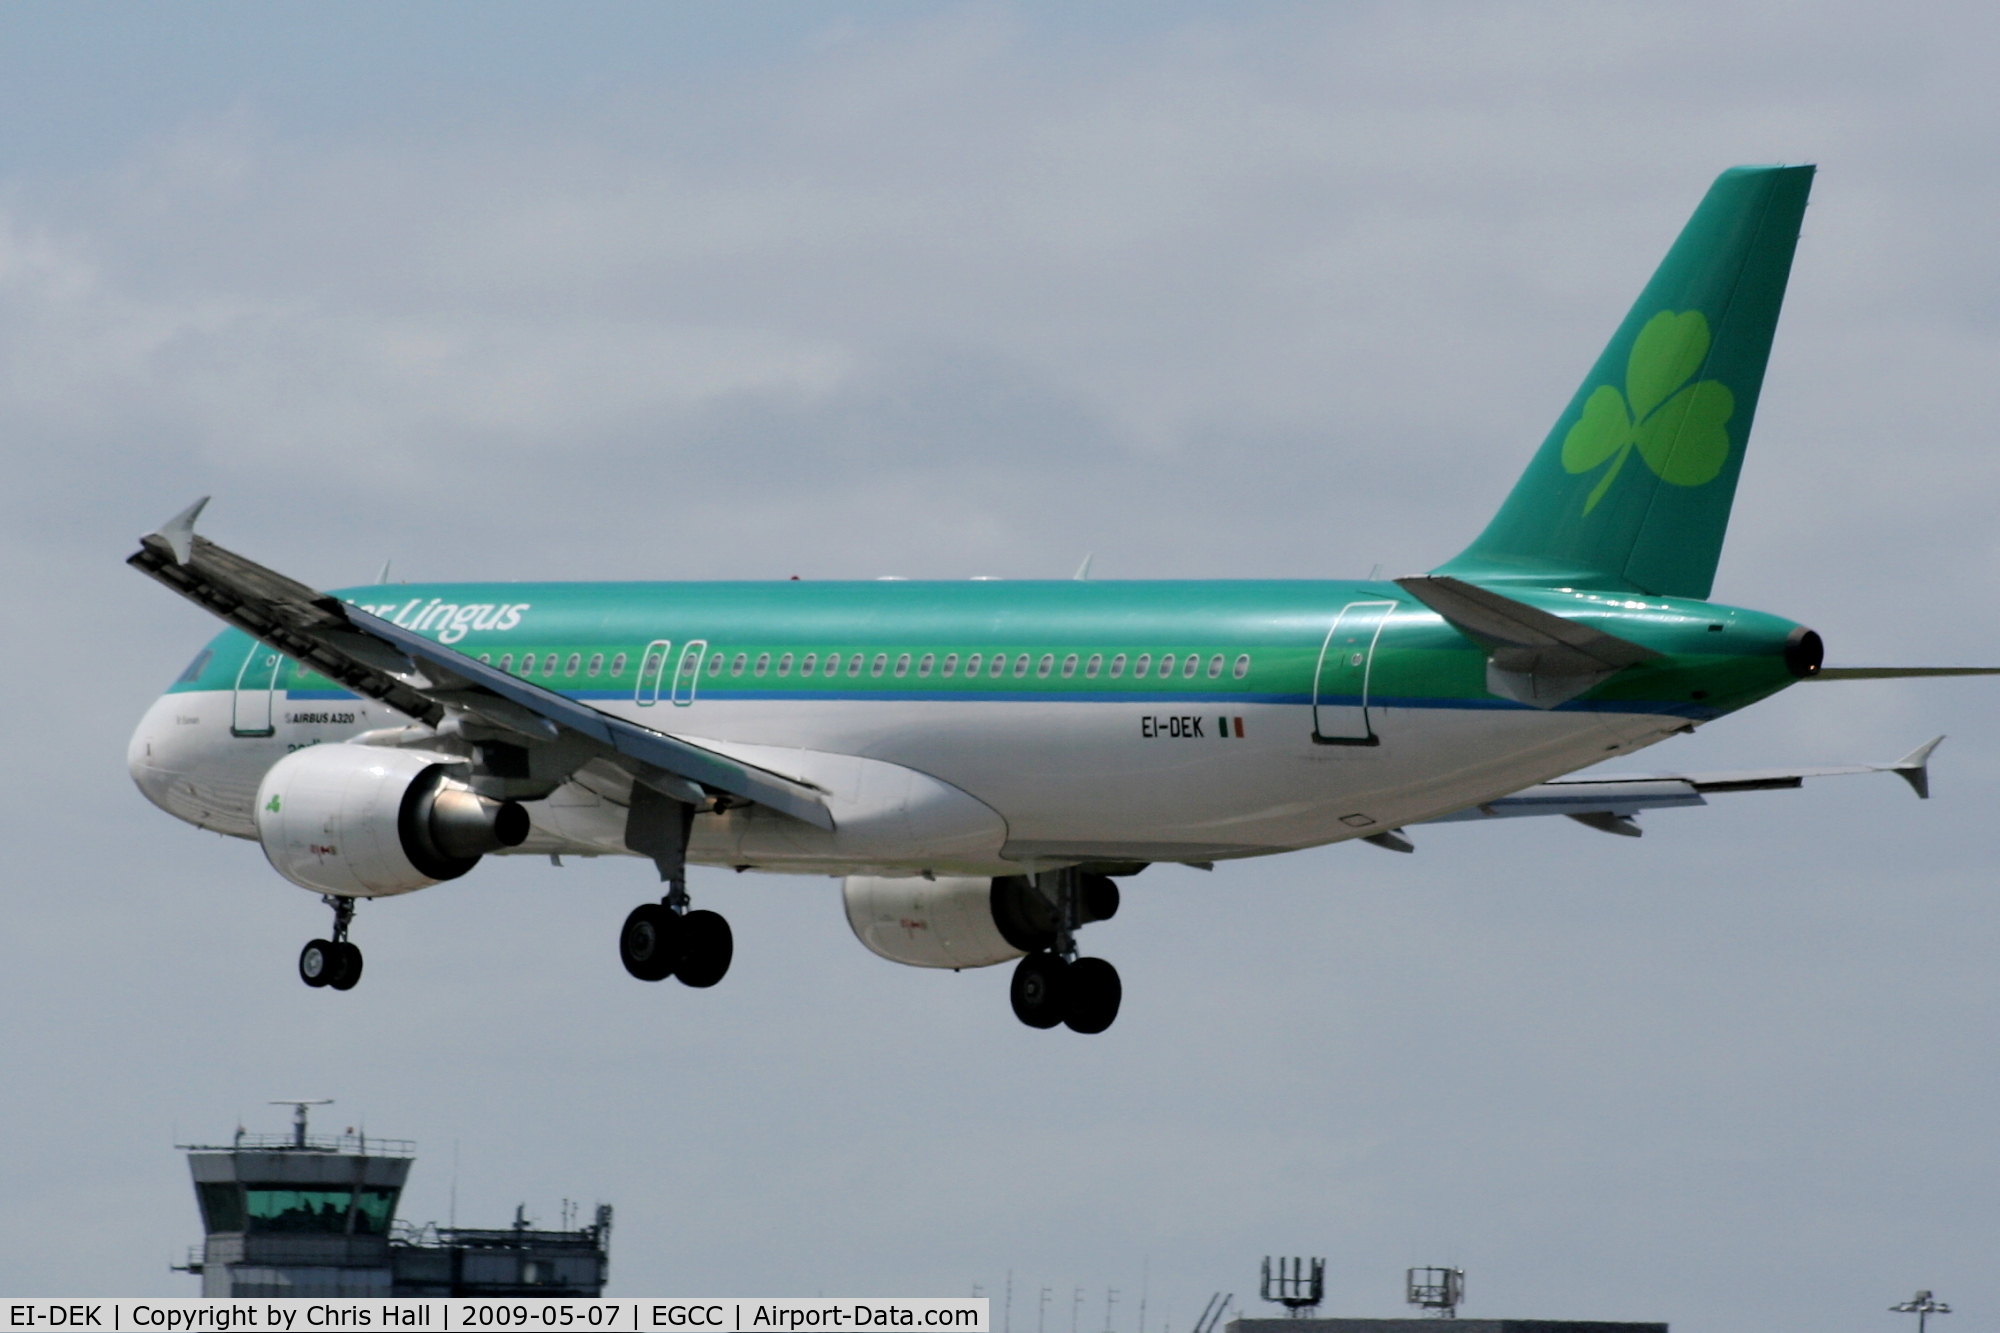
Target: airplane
(981, 763)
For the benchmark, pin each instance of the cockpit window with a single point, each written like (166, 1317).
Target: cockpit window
(196, 667)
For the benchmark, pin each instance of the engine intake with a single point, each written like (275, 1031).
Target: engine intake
(363, 821)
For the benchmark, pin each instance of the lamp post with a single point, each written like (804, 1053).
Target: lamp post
(1923, 1305)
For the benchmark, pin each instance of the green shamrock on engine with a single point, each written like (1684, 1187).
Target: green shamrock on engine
(1677, 427)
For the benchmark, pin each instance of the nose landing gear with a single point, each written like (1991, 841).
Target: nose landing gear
(665, 939)
(1053, 985)
(333, 962)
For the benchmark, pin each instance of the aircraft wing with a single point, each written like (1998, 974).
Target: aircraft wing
(1609, 802)
(433, 683)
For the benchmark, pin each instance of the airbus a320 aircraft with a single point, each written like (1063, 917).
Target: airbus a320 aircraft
(982, 762)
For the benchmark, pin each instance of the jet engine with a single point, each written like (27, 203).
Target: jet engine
(364, 821)
(956, 921)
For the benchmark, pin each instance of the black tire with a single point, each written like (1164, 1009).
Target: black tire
(650, 943)
(1040, 983)
(346, 966)
(707, 945)
(1094, 994)
(317, 962)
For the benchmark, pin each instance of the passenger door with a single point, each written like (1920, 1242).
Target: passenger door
(1340, 687)
(253, 712)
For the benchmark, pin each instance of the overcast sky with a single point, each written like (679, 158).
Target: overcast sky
(747, 291)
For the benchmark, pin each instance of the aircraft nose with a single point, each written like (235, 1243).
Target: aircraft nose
(149, 756)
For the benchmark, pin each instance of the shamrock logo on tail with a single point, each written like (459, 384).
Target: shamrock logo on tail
(1677, 427)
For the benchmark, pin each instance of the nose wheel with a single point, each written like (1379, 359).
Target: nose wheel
(335, 962)
(1053, 986)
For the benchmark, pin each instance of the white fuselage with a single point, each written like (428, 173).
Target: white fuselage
(970, 787)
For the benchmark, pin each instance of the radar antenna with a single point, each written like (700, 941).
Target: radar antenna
(299, 1105)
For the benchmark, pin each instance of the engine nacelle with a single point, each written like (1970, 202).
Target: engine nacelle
(364, 821)
(955, 921)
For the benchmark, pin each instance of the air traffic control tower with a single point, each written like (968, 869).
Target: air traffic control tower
(299, 1215)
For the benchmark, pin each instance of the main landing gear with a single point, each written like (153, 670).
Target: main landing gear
(1052, 985)
(665, 939)
(333, 962)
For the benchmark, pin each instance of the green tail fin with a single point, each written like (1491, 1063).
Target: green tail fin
(1632, 489)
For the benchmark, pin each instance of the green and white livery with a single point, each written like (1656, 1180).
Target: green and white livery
(981, 763)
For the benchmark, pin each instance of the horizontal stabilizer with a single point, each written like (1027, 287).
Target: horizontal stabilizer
(1533, 656)
(1897, 673)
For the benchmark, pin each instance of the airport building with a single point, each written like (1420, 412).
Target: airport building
(304, 1215)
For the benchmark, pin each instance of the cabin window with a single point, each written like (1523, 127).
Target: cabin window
(763, 663)
(924, 667)
(549, 665)
(1095, 664)
(1193, 665)
(971, 665)
(1117, 666)
(833, 664)
(596, 663)
(1069, 666)
(1242, 666)
(1139, 667)
(1046, 665)
(854, 665)
(785, 665)
(999, 667)
(1166, 665)
(715, 665)
(487, 658)
(618, 665)
(574, 665)
(805, 667)
(506, 661)
(1020, 666)
(736, 667)
(881, 664)
(653, 662)
(1215, 666)
(903, 665)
